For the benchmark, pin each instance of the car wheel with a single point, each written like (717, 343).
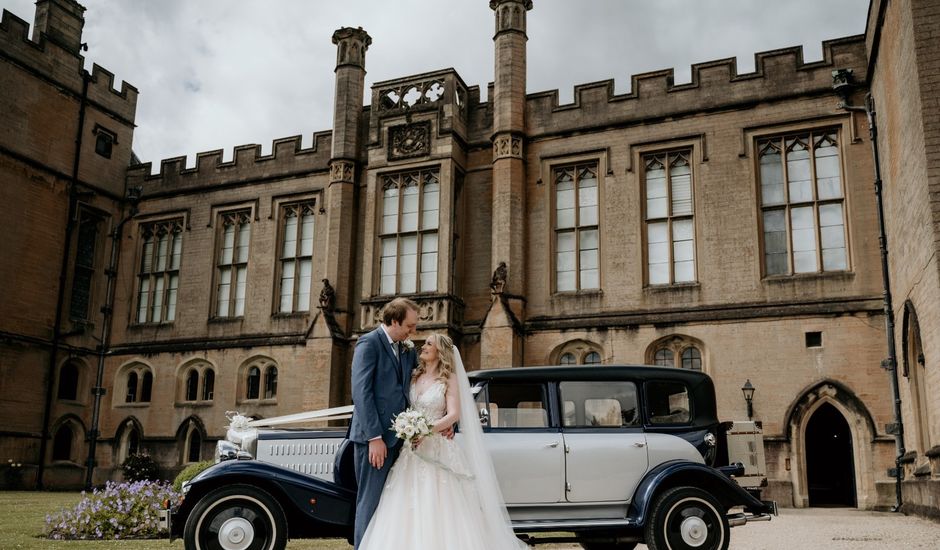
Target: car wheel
(608, 545)
(236, 517)
(686, 518)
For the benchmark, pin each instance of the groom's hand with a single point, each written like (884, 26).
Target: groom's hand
(449, 432)
(377, 453)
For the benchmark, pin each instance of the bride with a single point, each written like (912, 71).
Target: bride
(441, 495)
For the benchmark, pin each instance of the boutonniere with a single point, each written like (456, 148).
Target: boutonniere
(409, 345)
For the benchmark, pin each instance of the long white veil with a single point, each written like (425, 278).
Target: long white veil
(498, 526)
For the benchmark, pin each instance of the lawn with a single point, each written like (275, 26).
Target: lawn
(23, 517)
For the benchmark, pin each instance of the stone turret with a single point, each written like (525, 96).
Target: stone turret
(502, 339)
(61, 21)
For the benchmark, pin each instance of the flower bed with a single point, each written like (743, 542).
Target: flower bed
(119, 511)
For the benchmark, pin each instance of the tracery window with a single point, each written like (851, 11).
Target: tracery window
(802, 204)
(260, 380)
(68, 381)
(408, 236)
(578, 352)
(676, 351)
(296, 258)
(159, 270)
(670, 227)
(138, 384)
(83, 271)
(232, 263)
(577, 246)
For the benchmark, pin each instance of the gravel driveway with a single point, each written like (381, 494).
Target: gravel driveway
(829, 529)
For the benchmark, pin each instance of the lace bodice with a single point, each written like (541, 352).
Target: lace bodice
(431, 401)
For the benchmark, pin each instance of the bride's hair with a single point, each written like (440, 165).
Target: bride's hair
(445, 355)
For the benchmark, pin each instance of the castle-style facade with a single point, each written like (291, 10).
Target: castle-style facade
(726, 225)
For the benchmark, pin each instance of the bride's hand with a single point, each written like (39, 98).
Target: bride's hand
(448, 432)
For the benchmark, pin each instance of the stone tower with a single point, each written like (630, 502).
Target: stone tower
(502, 341)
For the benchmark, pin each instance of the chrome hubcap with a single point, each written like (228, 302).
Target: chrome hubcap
(236, 534)
(693, 531)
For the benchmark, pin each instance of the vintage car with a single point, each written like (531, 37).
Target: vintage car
(606, 456)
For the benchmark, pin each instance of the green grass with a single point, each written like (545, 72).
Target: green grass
(23, 517)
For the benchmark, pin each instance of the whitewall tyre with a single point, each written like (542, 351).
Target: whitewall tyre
(687, 518)
(236, 517)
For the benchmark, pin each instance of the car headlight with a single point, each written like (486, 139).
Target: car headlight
(225, 450)
(710, 439)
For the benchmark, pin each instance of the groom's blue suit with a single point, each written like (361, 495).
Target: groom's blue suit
(380, 385)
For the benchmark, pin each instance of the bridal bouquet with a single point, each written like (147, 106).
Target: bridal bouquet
(411, 425)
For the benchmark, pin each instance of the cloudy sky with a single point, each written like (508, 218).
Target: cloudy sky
(214, 74)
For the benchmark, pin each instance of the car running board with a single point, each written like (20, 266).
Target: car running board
(571, 524)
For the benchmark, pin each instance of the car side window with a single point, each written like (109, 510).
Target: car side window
(514, 405)
(668, 402)
(599, 404)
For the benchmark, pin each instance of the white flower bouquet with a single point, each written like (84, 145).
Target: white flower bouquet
(411, 425)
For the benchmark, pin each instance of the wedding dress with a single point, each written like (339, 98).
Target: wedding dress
(436, 498)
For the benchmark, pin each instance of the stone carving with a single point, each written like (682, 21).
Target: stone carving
(407, 96)
(499, 279)
(507, 146)
(409, 140)
(341, 171)
(431, 310)
(353, 44)
(327, 296)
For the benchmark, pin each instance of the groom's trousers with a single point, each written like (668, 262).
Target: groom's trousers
(371, 482)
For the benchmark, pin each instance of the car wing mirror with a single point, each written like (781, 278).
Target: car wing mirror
(484, 417)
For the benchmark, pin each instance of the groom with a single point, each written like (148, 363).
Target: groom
(381, 378)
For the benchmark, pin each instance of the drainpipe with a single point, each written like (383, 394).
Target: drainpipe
(63, 277)
(104, 347)
(843, 83)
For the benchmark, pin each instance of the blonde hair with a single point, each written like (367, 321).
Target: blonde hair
(445, 356)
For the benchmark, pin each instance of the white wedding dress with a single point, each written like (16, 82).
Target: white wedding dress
(431, 500)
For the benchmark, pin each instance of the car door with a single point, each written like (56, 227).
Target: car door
(527, 451)
(606, 454)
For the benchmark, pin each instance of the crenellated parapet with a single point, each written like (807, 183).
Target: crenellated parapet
(248, 165)
(714, 85)
(54, 62)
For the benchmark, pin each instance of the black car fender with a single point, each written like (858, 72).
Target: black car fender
(302, 496)
(675, 473)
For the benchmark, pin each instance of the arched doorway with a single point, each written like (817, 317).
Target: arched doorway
(830, 466)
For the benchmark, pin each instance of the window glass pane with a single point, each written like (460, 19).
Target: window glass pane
(157, 312)
(162, 251)
(429, 208)
(270, 383)
(131, 395)
(517, 405)
(798, 171)
(775, 242)
(683, 251)
(228, 244)
(567, 359)
(225, 285)
(290, 237)
(146, 387)
(828, 184)
(171, 297)
(390, 210)
(306, 235)
(658, 252)
(389, 265)
(408, 266)
(192, 385)
(287, 287)
(565, 261)
(253, 385)
(241, 275)
(592, 358)
(589, 262)
(656, 206)
(803, 228)
(146, 257)
(564, 205)
(303, 285)
(599, 404)
(409, 208)
(681, 189)
(771, 177)
(429, 262)
(142, 300)
(664, 358)
(244, 234)
(587, 201)
(833, 237)
(692, 359)
(177, 251)
(668, 403)
(208, 385)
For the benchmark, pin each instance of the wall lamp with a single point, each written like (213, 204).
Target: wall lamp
(748, 390)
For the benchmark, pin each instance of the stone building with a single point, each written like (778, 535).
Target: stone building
(726, 225)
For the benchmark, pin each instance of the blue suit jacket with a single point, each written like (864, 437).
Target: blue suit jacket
(380, 386)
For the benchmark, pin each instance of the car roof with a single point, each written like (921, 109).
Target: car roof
(599, 372)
